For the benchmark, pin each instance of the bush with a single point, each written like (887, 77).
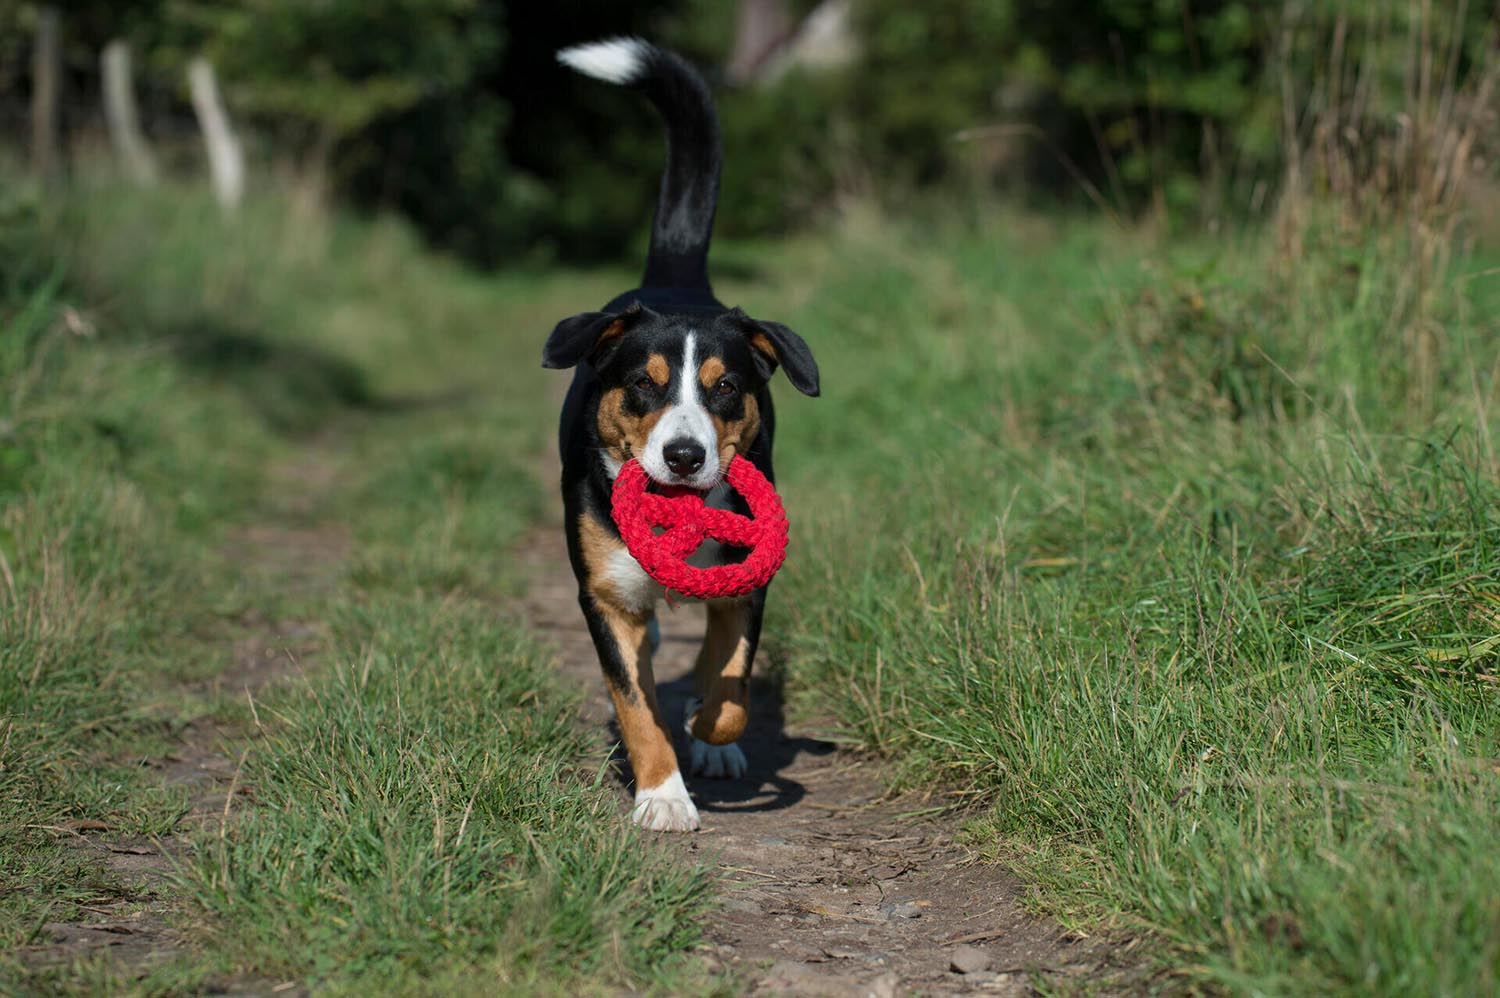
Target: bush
(1155, 103)
(455, 113)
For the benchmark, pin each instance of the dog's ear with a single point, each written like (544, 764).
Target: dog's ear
(588, 334)
(775, 345)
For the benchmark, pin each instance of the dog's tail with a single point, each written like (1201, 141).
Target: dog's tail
(690, 183)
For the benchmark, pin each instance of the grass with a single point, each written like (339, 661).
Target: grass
(1164, 555)
(98, 579)
(416, 814)
(1165, 561)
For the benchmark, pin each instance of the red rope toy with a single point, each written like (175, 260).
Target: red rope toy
(689, 521)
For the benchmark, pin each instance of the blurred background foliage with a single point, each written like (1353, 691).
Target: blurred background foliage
(454, 113)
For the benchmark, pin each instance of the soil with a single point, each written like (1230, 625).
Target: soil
(831, 886)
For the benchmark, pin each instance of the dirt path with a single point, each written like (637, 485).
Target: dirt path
(137, 927)
(832, 889)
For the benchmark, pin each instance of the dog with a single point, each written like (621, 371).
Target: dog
(669, 376)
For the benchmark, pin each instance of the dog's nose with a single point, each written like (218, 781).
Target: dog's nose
(683, 456)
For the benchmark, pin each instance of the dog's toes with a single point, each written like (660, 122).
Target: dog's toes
(666, 808)
(666, 816)
(717, 762)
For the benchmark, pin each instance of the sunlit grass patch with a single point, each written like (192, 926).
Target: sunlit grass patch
(1163, 562)
(423, 803)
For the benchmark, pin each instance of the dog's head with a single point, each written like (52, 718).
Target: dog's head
(679, 391)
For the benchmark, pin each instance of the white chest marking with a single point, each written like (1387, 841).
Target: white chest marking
(634, 588)
(638, 591)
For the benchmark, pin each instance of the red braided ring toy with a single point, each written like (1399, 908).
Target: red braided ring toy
(689, 521)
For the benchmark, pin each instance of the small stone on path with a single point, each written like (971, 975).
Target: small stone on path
(904, 909)
(969, 960)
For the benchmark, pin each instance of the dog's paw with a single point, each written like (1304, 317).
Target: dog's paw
(717, 762)
(665, 808)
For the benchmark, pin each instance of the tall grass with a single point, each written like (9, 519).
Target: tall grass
(1176, 561)
(1392, 133)
(1173, 567)
(116, 470)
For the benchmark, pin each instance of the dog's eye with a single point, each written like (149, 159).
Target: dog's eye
(645, 384)
(725, 389)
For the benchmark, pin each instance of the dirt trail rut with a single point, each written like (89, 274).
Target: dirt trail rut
(831, 888)
(137, 926)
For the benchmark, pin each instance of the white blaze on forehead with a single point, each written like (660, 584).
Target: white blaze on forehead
(685, 418)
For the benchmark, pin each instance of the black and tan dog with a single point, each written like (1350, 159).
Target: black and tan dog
(667, 375)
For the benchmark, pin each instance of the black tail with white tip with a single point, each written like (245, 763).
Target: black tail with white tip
(690, 183)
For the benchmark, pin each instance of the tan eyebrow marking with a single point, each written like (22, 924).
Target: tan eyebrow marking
(711, 371)
(657, 367)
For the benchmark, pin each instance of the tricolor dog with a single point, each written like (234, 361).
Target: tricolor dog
(669, 376)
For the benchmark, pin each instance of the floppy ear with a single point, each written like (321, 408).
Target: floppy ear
(585, 335)
(775, 344)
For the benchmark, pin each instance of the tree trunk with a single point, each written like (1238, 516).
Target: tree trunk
(121, 115)
(226, 161)
(824, 39)
(46, 77)
(760, 26)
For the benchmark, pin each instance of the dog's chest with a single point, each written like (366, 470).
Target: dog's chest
(637, 590)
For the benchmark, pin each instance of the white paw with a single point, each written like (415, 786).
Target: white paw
(717, 762)
(665, 808)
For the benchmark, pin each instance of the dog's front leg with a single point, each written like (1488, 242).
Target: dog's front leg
(717, 717)
(661, 799)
